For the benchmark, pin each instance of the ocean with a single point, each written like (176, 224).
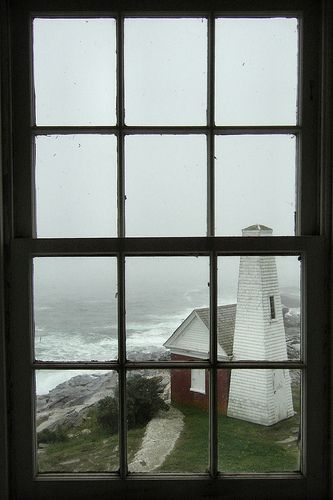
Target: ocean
(72, 328)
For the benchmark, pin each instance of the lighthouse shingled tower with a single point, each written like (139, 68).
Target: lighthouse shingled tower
(262, 396)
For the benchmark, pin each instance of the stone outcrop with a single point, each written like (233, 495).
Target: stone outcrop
(68, 403)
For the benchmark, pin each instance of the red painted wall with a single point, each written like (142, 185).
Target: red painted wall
(181, 384)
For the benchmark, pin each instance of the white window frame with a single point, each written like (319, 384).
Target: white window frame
(312, 243)
(198, 381)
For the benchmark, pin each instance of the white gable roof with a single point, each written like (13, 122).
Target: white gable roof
(192, 339)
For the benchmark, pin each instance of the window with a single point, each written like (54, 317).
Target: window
(198, 381)
(150, 143)
(272, 306)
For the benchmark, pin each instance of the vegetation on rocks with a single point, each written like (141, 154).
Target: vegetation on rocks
(92, 445)
(52, 436)
(144, 400)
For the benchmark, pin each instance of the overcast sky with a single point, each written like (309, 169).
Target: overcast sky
(165, 84)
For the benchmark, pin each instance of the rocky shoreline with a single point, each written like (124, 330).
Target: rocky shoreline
(68, 403)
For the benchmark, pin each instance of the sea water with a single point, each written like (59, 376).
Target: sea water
(85, 328)
(72, 328)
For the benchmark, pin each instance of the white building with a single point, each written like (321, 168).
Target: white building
(251, 330)
(260, 396)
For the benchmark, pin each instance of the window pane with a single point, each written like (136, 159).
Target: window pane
(166, 185)
(167, 308)
(256, 71)
(165, 71)
(255, 183)
(259, 426)
(170, 419)
(75, 71)
(76, 421)
(75, 308)
(76, 186)
(247, 287)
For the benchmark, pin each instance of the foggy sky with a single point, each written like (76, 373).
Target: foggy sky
(165, 84)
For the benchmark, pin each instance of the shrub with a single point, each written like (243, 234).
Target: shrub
(107, 414)
(143, 402)
(143, 399)
(48, 436)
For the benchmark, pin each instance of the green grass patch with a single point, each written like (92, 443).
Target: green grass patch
(87, 453)
(243, 446)
(87, 448)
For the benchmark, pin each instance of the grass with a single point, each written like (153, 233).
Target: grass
(243, 446)
(93, 452)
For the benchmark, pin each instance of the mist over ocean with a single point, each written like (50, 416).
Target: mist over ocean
(73, 328)
(77, 329)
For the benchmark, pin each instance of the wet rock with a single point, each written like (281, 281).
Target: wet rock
(68, 403)
(85, 432)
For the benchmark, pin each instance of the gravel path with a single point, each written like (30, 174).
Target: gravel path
(159, 440)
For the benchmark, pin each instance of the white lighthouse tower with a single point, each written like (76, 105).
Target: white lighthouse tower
(261, 396)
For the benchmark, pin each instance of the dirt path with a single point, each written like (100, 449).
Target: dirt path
(159, 440)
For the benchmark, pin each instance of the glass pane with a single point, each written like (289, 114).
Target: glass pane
(75, 308)
(168, 415)
(256, 71)
(75, 71)
(167, 308)
(165, 71)
(255, 183)
(76, 421)
(259, 427)
(76, 186)
(259, 315)
(166, 186)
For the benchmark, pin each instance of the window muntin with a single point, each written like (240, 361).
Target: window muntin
(80, 171)
(255, 181)
(79, 88)
(84, 447)
(165, 71)
(253, 428)
(161, 293)
(75, 308)
(166, 185)
(255, 59)
(185, 450)
(260, 307)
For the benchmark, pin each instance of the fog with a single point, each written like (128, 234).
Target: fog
(165, 72)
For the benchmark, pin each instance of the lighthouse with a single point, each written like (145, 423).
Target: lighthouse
(262, 396)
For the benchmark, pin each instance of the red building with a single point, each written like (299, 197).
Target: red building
(190, 342)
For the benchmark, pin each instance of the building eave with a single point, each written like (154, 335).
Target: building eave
(203, 355)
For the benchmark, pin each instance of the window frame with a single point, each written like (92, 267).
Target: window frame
(313, 245)
(272, 308)
(198, 381)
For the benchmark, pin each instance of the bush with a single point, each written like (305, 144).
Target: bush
(48, 436)
(143, 402)
(107, 414)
